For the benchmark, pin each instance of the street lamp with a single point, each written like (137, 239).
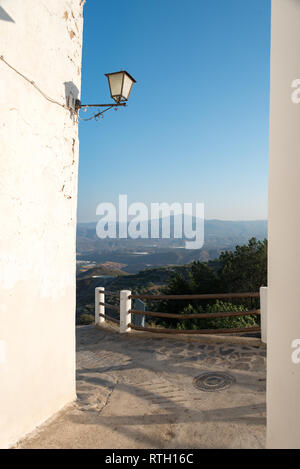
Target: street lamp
(120, 85)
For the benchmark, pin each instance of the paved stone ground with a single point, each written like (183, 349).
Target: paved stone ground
(136, 391)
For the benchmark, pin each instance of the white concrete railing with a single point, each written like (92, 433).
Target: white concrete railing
(126, 306)
(263, 313)
(99, 309)
(124, 309)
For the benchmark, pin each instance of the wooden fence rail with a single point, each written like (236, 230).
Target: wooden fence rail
(112, 293)
(107, 305)
(125, 310)
(195, 331)
(211, 296)
(109, 318)
(196, 315)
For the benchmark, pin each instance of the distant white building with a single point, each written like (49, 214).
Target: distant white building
(42, 40)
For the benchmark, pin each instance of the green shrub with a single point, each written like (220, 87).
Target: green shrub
(85, 319)
(213, 323)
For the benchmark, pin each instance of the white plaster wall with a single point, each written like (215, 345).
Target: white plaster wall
(38, 201)
(283, 386)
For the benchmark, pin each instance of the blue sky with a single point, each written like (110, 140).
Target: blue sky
(196, 127)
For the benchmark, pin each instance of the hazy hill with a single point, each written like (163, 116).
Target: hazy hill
(213, 229)
(146, 280)
(98, 271)
(139, 254)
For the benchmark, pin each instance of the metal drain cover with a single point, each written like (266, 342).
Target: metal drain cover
(213, 381)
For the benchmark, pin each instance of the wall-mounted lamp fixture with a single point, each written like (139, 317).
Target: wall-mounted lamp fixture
(120, 85)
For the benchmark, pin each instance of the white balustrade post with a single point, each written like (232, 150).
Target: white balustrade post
(125, 306)
(263, 313)
(99, 309)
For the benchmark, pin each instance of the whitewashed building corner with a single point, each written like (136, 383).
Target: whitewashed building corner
(40, 67)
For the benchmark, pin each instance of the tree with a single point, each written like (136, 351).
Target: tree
(245, 268)
(177, 285)
(203, 279)
(241, 270)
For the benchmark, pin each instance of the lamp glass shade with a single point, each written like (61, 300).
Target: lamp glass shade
(120, 84)
(127, 85)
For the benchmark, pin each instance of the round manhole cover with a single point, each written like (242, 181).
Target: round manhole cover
(213, 381)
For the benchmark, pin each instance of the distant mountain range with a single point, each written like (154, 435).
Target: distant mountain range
(139, 254)
(219, 229)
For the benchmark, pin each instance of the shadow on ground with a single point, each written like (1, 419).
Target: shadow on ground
(137, 391)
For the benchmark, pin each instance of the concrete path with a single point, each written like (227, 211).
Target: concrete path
(137, 391)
